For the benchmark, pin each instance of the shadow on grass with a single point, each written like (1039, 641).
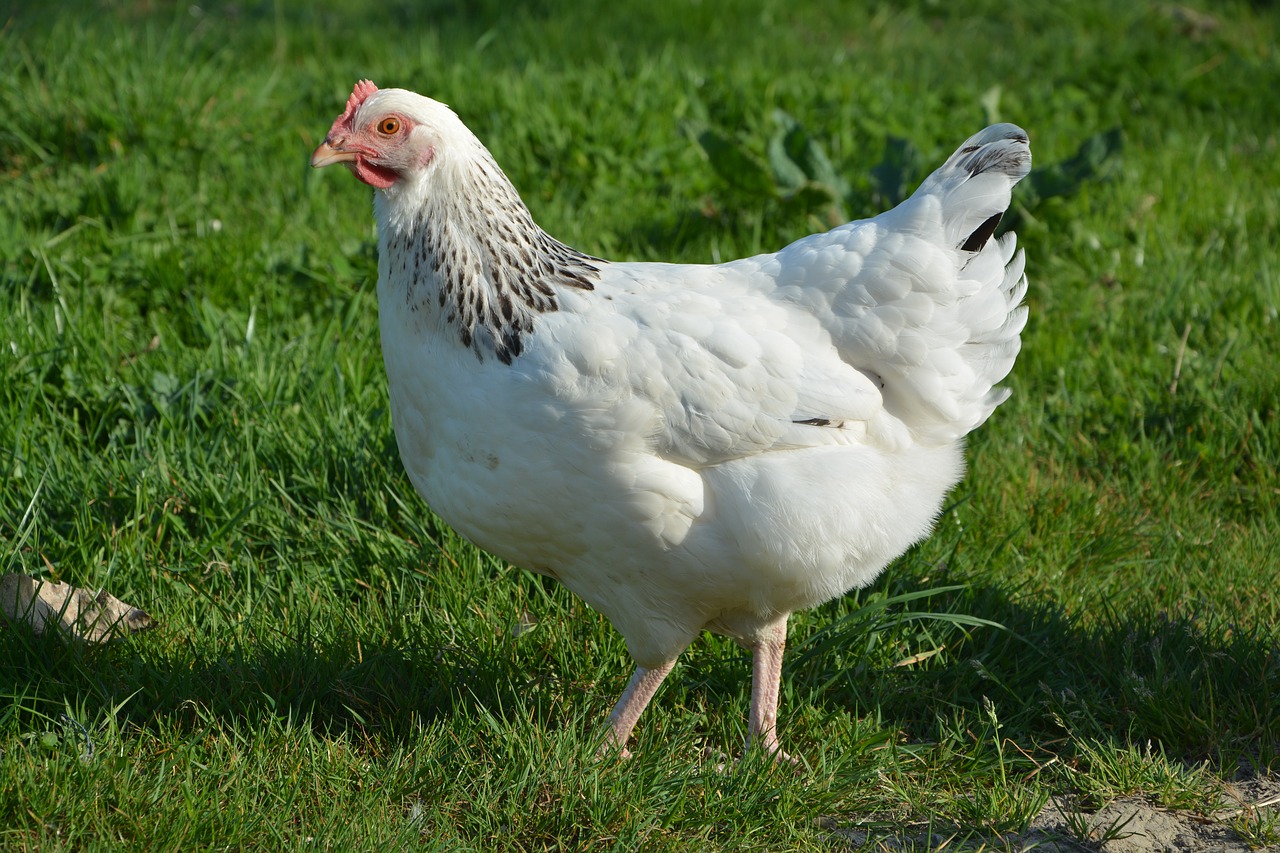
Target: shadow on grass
(384, 688)
(1200, 689)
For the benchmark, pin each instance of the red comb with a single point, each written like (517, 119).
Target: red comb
(363, 90)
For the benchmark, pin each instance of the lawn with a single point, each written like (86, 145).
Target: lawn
(193, 414)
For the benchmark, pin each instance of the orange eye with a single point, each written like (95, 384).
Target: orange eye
(389, 126)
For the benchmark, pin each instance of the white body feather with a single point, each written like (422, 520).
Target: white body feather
(705, 447)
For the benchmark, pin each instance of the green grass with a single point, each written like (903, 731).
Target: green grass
(193, 415)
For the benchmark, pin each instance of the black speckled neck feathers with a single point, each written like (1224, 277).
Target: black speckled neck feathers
(472, 254)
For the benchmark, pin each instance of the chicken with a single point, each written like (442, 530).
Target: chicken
(685, 447)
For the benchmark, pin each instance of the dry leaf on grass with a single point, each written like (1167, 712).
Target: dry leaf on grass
(84, 615)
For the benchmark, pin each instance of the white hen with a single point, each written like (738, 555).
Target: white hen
(685, 447)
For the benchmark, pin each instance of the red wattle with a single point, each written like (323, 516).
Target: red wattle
(377, 177)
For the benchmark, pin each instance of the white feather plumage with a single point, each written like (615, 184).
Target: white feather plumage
(686, 447)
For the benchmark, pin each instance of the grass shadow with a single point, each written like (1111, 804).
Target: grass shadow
(381, 686)
(1199, 688)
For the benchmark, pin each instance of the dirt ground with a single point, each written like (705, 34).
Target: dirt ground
(1140, 827)
(1124, 826)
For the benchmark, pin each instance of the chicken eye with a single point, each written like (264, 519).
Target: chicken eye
(389, 126)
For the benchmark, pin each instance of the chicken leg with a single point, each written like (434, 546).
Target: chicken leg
(644, 684)
(766, 678)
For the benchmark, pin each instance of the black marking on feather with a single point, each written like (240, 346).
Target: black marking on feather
(982, 234)
(984, 158)
(493, 268)
(814, 422)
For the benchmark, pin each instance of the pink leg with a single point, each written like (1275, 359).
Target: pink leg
(644, 684)
(766, 676)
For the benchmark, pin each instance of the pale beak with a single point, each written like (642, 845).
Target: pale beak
(326, 155)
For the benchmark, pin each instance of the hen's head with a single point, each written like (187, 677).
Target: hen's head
(388, 135)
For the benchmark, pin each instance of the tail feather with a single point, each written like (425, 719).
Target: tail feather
(975, 184)
(975, 330)
(931, 308)
(991, 350)
(974, 187)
